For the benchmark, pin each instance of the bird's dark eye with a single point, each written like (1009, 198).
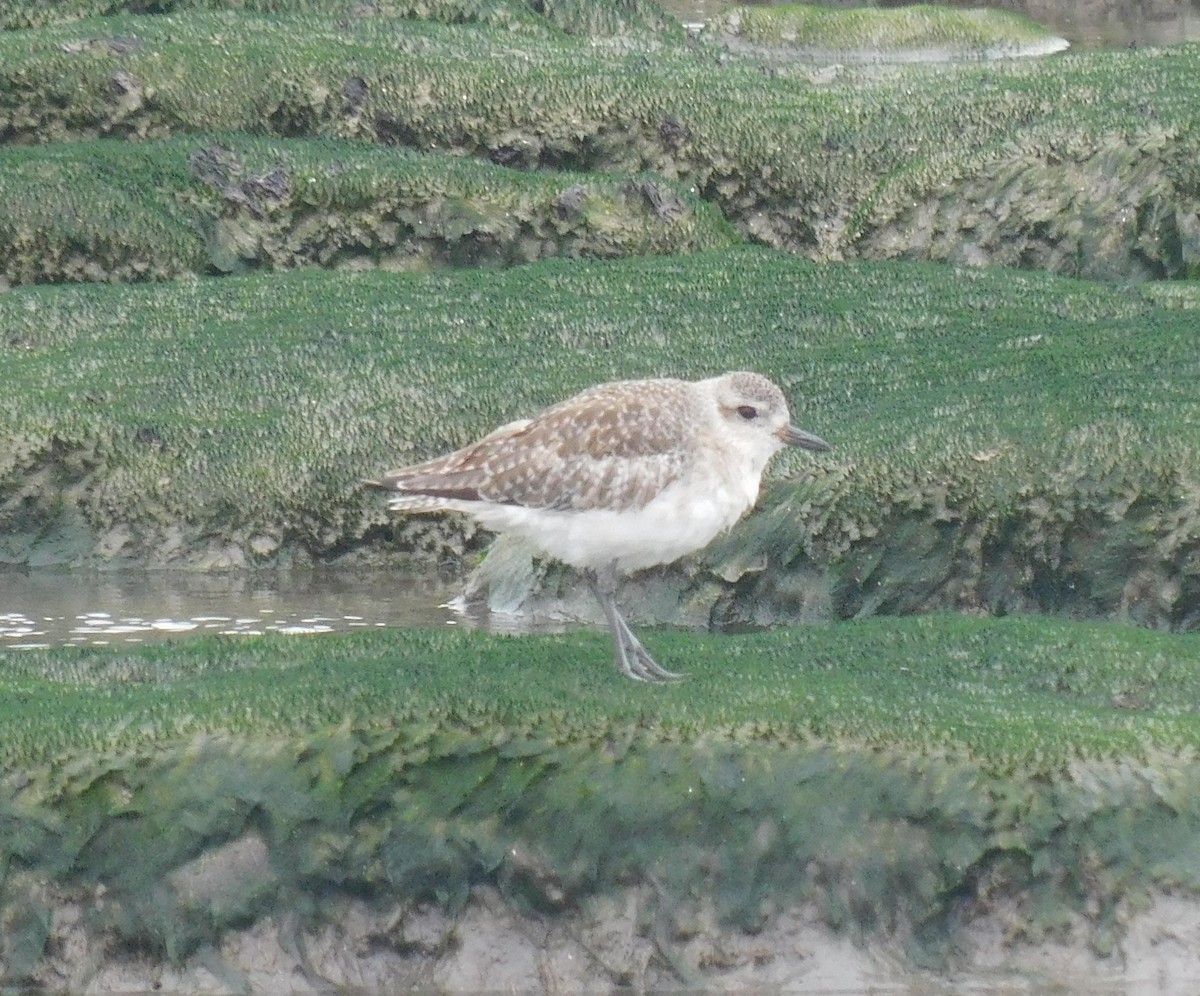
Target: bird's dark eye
(747, 412)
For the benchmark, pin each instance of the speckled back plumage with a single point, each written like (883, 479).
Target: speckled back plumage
(615, 446)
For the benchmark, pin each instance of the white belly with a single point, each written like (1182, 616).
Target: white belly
(684, 518)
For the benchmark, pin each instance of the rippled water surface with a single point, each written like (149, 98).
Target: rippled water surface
(1097, 24)
(46, 608)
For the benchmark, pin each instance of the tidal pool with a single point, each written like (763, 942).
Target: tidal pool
(46, 608)
(1095, 24)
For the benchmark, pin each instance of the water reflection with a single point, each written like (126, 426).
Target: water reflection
(1096, 24)
(39, 609)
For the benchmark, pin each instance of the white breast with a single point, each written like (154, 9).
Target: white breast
(687, 516)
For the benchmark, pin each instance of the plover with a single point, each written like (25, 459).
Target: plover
(621, 477)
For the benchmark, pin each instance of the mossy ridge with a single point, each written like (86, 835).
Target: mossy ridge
(904, 850)
(1084, 529)
(60, 203)
(592, 17)
(790, 767)
(205, 411)
(1176, 294)
(224, 203)
(1019, 694)
(833, 170)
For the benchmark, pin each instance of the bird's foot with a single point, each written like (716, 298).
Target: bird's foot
(634, 660)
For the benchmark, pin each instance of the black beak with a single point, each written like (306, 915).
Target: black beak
(792, 436)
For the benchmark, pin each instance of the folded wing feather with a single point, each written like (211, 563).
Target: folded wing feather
(598, 450)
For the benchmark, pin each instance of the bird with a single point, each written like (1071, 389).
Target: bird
(621, 477)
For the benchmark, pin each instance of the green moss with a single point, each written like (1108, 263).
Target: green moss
(989, 426)
(856, 163)
(1003, 441)
(1176, 294)
(890, 774)
(595, 16)
(225, 203)
(1033, 695)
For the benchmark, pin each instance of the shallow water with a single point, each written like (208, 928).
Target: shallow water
(1094, 25)
(39, 609)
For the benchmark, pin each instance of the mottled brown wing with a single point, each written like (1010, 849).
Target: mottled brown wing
(455, 475)
(610, 447)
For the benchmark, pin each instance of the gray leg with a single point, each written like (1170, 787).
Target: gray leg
(633, 660)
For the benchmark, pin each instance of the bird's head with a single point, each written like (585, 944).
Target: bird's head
(755, 412)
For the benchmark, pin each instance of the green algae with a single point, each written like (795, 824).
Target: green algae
(897, 775)
(855, 164)
(217, 204)
(1014, 694)
(1005, 441)
(992, 430)
(1176, 294)
(593, 17)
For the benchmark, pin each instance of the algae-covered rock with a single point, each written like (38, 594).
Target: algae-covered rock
(995, 446)
(221, 204)
(392, 809)
(595, 17)
(855, 162)
(891, 782)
